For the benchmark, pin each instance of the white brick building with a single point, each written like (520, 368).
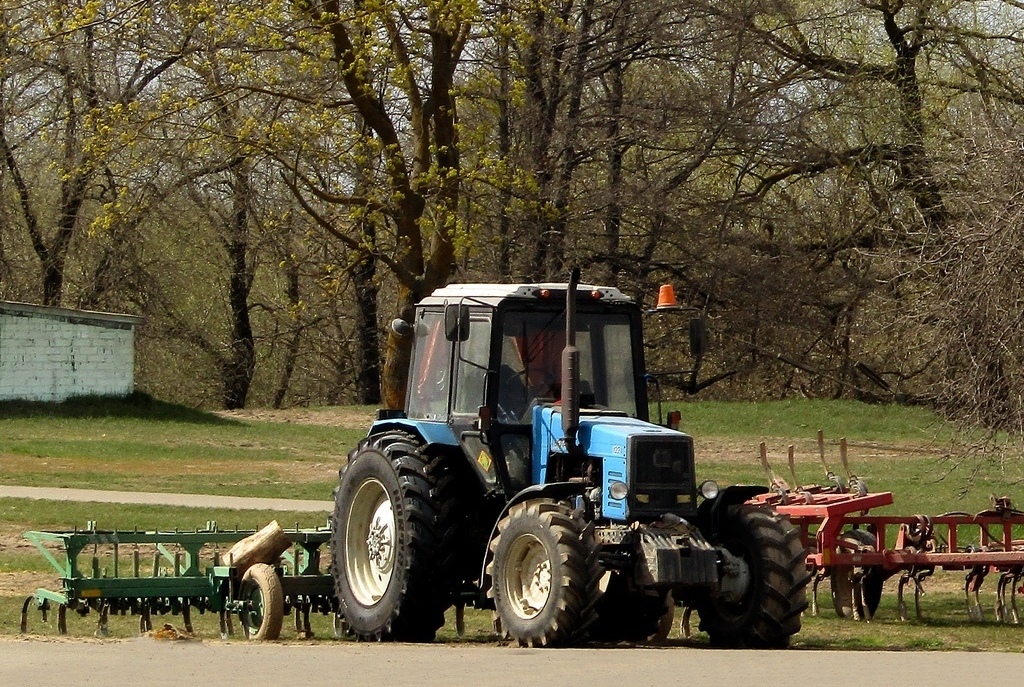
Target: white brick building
(50, 354)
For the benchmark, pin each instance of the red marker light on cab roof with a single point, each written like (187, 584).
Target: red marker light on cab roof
(596, 294)
(544, 293)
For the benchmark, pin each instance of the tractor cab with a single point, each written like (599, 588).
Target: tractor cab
(485, 356)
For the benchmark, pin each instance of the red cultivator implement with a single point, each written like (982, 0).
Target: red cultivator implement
(858, 552)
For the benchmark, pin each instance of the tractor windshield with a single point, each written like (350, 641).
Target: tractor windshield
(531, 368)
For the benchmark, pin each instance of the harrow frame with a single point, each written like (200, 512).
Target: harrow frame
(178, 579)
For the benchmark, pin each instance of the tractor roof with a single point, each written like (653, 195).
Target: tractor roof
(492, 294)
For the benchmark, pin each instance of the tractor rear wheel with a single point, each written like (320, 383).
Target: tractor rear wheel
(767, 613)
(544, 574)
(390, 541)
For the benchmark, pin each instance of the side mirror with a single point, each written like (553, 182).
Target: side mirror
(698, 338)
(456, 322)
(401, 327)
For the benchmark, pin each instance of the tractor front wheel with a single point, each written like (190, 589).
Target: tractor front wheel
(544, 574)
(765, 613)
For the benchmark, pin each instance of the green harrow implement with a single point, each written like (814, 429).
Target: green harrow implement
(154, 573)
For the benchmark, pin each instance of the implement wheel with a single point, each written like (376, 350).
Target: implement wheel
(391, 543)
(263, 615)
(544, 574)
(767, 612)
(841, 578)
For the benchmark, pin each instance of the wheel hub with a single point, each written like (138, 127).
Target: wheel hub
(371, 540)
(528, 577)
(380, 539)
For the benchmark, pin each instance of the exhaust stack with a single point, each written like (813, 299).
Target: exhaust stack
(571, 369)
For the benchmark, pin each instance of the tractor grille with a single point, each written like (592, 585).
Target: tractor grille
(661, 470)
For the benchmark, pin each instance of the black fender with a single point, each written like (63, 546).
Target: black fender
(557, 491)
(710, 511)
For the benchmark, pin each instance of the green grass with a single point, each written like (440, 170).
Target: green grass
(143, 444)
(64, 515)
(803, 418)
(945, 628)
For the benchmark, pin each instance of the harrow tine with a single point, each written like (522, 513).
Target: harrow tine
(24, 614)
(102, 625)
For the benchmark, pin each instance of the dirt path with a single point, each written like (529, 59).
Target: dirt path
(164, 499)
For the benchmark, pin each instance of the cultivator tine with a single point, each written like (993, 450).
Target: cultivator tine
(901, 604)
(858, 596)
(778, 484)
(856, 484)
(684, 623)
(842, 459)
(1004, 578)
(917, 577)
(1014, 585)
(919, 589)
(832, 477)
(819, 575)
(972, 586)
(62, 619)
(792, 469)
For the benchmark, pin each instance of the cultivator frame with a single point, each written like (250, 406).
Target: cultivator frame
(176, 580)
(858, 552)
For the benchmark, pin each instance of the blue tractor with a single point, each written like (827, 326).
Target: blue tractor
(524, 476)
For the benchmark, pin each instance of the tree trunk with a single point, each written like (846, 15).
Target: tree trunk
(240, 365)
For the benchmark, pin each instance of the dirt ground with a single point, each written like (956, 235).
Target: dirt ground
(332, 416)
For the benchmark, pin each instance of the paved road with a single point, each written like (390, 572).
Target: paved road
(147, 661)
(159, 498)
(36, 662)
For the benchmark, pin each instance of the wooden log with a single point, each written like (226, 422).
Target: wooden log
(265, 546)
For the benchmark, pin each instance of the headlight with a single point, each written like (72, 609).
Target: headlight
(618, 490)
(709, 489)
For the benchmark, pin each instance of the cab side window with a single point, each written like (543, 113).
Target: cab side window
(430, 375)
(472, 366)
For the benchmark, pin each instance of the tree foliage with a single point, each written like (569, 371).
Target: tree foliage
(834, 186)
